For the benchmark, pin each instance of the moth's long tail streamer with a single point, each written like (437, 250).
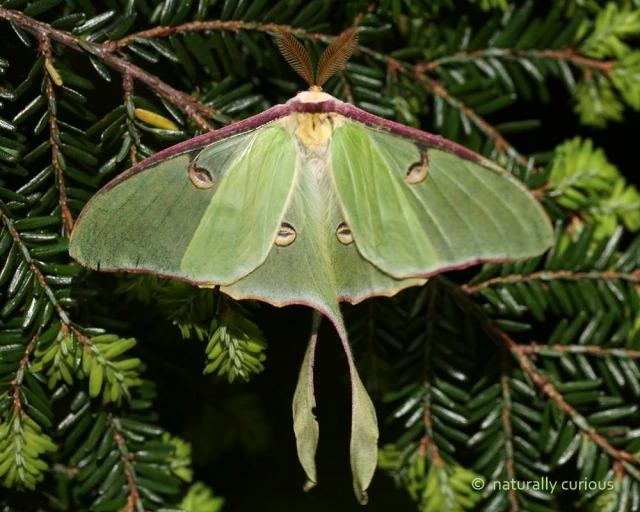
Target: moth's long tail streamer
(364, 424)
(305, 424)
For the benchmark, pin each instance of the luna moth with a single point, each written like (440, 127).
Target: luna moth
(312, 202)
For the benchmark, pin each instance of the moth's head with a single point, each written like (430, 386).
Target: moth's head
(334, 57)
(313, 96)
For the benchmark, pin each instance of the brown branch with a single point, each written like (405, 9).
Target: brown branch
(14, 385)
(428, 445)
(418, 72)
(579, 349)
(66, 325)
(133, 501)
(500, 142)
(505, 363)
(82, 338)
(32, 266)
(549, 275)
(202, 26)
(543, 383)
(567, 55)
(548, 389)
(127, 86)
(197, 112)
(54, 136)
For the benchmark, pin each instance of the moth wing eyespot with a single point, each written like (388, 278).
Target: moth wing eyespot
(286, 235)
(418, 172)
(344, 234)
(200, 177)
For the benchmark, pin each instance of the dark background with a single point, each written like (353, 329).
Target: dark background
(269, 477)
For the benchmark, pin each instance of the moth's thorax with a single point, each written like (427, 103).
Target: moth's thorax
(313, 131)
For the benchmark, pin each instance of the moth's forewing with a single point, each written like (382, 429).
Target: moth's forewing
(206, 211)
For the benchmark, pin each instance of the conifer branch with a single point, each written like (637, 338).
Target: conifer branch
(568, 55)
(505, 368)
(127, 86)
(67, 326)
(37, 273)
(428, 446)
(134, 502)
(548, 389)
(54, 137)
(197, 112)
(580, 388)
(502, 339)
(213, 25)
(550, 275)
(14, 386)
(418, 72)
(619, 352)
(500, 142)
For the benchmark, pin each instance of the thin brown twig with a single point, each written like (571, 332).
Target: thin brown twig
(133, 501)
(14, 385)
(428, 446)
(37, 273)
(203, 26)
(66, 326)
(82, 338)
(548, 389)
(127, 86)
(505, 366)
(393, 65)
(419, 73)
(595, 350)
(500, 142)
(54, 132)
(543, 383)
(550, 275)
(566, 55)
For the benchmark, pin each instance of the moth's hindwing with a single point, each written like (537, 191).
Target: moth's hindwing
(314, 259)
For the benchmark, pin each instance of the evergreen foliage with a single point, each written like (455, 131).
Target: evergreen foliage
(515, 371)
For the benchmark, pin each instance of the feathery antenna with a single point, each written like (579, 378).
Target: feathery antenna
(336, 55)
(296, 55)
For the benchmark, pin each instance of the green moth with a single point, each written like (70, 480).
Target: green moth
(312, 202)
